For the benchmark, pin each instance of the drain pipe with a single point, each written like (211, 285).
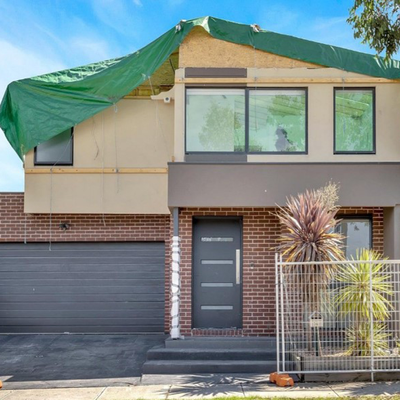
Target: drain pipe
(175, 277)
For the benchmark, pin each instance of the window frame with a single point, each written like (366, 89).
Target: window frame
(342, 89)
(305, 152)
(240, 154)
(369, 217)
(46, 163)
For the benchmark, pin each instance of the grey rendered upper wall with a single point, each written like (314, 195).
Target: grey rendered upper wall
(266, 185)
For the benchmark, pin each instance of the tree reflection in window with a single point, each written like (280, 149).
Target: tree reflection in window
(354, 120)
(215, 120)
(217, 133)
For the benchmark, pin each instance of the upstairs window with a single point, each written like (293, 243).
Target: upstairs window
(246, 121)
(354, 121)
(277, 121)
(56, 151)
(215, 120)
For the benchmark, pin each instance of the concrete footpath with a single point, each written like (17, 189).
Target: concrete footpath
(201, 388)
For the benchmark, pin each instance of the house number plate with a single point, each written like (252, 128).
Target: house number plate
(316, 323)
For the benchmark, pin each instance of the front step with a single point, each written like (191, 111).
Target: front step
(206, 366)
(215, 355)
(212, 342)
(162, 353)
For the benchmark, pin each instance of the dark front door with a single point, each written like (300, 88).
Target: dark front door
(217, 274)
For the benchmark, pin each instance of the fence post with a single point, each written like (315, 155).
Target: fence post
(277, 311)
(372, 320)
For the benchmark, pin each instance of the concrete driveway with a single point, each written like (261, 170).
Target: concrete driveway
(44, 361)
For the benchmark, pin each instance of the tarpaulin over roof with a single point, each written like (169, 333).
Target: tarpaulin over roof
(37, 109)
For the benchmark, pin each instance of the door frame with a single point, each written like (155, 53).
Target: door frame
(238, 218)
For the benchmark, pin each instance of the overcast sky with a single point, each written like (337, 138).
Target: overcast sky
(43, 36)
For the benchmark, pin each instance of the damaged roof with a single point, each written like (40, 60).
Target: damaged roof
(36, 109)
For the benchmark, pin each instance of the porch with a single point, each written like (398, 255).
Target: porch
(243, 287)
(209, 254)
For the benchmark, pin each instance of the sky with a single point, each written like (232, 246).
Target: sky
(42, 36)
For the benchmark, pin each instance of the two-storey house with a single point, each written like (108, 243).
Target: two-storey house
(197, 138)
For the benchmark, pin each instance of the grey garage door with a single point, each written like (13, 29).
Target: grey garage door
(82, 288)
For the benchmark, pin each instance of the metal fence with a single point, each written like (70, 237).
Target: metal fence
(335, 317)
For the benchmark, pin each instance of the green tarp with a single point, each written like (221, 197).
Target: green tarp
(37, 109)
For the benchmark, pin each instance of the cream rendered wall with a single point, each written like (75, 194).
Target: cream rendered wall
(136, 134)
(199, 49)
(320, 113)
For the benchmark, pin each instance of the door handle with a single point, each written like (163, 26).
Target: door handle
(237, 266)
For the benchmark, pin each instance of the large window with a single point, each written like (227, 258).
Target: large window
(354, 120)
(56, 151)
(215, 120)
(358, 234)
(277, 121)
(246, 120)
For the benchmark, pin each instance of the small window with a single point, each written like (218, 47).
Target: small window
(354, 120)
(215, 120)
(277, 121)
(56, 151)
(358, 234)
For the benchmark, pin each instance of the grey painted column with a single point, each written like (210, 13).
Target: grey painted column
(391, 238)
(391, 225)
(175, 218)
(175, 278)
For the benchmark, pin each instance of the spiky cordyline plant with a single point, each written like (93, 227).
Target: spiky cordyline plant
(309, 236)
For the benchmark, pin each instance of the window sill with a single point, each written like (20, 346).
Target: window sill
(215, 157)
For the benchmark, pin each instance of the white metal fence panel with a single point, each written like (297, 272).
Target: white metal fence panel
(338, 316)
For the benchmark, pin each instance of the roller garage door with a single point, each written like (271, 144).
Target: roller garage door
(82, 288)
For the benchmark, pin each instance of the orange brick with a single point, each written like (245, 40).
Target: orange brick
(283, 381)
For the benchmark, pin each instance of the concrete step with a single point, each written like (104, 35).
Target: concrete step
(166, 367)
(162, 353)
(213, 342)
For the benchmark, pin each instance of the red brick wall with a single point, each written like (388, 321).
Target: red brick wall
(15, 226)
(260, 233)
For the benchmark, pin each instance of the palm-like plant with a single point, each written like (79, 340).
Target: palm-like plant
(365, 287)
(361, 342)
(364, 293)
(309, 235)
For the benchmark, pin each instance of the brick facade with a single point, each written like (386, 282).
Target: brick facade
(15, 226)
(260, 233)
